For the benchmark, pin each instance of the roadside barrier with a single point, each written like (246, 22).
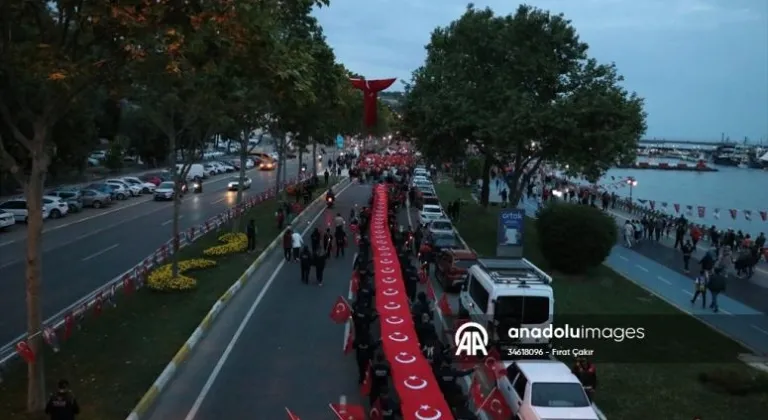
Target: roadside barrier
(168, 373)
(59, 327)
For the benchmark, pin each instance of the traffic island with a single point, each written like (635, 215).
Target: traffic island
(112, 358)
(696, 375)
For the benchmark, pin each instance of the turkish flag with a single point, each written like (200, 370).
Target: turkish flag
(375, 413)
(355, 282)
(445, 306)
(431, 292)
(496, 407)
(291, 416)
(476, 392)
(341, 311)
(423, 276)
(370, 89)
(348, 412)
(349, 342)
(493, 366)
(365, 387)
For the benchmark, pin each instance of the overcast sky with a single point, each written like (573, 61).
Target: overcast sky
(702, 65)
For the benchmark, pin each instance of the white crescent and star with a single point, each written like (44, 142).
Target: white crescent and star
(388, 270)
(394, 320)
(386, 261)
(398, 336)
(426, 412)
(389, 292)
(405, 358)
(415, 383)
(392, 306)
(389, 280)
(339, 307)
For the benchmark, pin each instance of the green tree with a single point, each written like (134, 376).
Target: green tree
(52, 54)
(523, 91)
(559, 224)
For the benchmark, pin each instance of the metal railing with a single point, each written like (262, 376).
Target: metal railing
(137, 274)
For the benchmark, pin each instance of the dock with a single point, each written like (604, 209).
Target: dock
(699, 167)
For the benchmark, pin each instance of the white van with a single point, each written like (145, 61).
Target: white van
(196, 171)
(544, 389)
(504, 293)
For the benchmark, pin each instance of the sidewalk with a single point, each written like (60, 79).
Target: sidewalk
(741, 322)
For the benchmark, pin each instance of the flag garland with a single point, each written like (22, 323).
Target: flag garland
(129, 282)
(701, 211)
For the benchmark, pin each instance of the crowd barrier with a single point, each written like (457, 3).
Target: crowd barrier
(60, 326)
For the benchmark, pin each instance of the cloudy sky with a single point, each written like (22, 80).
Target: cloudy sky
(702, 65)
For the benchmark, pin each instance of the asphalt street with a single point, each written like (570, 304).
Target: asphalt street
(79, 255)
(274, 346)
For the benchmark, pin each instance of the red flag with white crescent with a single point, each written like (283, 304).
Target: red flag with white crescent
(341, 311)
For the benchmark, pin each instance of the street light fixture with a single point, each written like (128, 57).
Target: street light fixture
(632, 182)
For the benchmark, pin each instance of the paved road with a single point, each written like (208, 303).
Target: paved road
(647, 268)
(273, 347)
(81, 255)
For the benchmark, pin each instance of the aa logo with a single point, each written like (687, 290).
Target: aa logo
(471, 339)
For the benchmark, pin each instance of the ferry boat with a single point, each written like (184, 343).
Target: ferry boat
(731, 155)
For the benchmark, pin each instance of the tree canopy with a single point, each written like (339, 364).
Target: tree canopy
(521, 90)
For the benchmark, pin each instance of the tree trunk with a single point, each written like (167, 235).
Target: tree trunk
(241, 183)
(314, 158)
(176, 177)
(34, 195)
(486, 188)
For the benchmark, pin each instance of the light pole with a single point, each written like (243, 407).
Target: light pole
(632, 182)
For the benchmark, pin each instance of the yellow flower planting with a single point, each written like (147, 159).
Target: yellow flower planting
(231, 243)
(162, 279)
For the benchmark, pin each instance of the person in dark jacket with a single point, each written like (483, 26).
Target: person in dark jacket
(314, 240)
(305, 260)
(250, 232)
(319, 262)
(716, 285)
(328, 242)
(586, 372)
(62, 404)
(287, 244)
(341, 241)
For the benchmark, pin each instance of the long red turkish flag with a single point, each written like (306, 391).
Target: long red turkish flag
(371, 89)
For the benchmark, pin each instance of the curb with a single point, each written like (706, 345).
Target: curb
(149, 398)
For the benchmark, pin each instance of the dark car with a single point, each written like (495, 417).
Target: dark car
(440, 242)
(104, 188)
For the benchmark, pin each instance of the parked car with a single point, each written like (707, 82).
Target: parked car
(452, 265)
(73, 198)
(235, 182)
(121, 193)
(56, 206)
(429, 213)
(443, 241)
(133, 190)
(95, 198)
(228, 167)
(104, 188)
(166, 191)
(145, 187)
(6, 219)
(440, 226)
(212, 169)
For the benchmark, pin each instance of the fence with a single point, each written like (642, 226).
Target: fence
(70, 317)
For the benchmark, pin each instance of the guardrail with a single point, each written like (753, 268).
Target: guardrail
(136, 276)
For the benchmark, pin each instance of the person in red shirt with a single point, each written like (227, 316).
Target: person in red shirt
(287, 243)
(695, 235)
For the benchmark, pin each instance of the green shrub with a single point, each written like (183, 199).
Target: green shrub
(573, 237)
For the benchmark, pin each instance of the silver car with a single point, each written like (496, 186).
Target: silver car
(73, 198)
(440, 227)
(95, 198)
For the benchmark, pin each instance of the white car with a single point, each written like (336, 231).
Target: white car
(430, 212)
(6, 219)
(544, 389)
(55, 206)
(249, 164)
(234, 182)
(145, 187)
(133, 190)
(440, 227)
(164, 191)
(212, 169)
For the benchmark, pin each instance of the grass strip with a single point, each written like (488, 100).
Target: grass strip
(114, 358)
(636, 391)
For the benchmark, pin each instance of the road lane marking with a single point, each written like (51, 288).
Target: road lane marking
(664, 280)
(169, 221)
(623, 258)
(687, 292)
(218, 201)
(641, 267)
(725, 312)
(105, 250)
(759, 329)
(109, 211)
(246, 320)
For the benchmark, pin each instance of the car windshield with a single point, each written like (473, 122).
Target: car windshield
(429, 209)
(445, 241)
(441, 225)
(558, 395)
(465, 264)
(532, 310)
(168, 185)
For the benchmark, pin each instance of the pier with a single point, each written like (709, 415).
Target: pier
(699, 167)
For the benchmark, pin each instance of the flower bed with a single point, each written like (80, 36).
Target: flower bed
(161, 278)
(231, 243)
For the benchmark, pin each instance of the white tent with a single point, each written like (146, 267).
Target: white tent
(764, 158)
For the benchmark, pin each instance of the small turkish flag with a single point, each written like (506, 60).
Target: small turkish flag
(445, 306)
(375, 413)
(365, 387)
(496, 407)
(341, 311)
(431, 292)
(355, 282)
(493, 366)
(291, 416)
(476, 392)
(349, 342)
(348, 412)
(423, 276)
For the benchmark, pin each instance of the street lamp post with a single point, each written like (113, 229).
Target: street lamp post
(632, 182)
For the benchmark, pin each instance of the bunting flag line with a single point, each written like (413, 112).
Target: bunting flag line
(701, 211)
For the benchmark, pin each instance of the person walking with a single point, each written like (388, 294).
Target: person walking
(296, 243)
(62, 404)
(287, 243)
(305, 261)
(700, 289)
(319, 263)
(250, 232)
(716, 285)
(687, 249)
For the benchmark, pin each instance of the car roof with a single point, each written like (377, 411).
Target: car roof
(545, 371)
(432, 207)
(443, 220)
(463, 254)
